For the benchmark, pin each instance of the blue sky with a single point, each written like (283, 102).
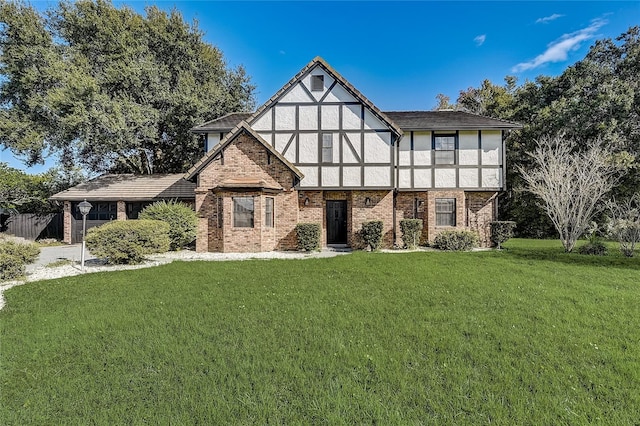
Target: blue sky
(399, 54)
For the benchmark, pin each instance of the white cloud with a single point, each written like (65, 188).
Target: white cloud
(548, 19)
(480, 39)
(557, 51)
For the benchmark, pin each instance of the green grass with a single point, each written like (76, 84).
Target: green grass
(529, 335)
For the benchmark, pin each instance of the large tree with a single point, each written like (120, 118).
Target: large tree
(108, 88)
(595, 101)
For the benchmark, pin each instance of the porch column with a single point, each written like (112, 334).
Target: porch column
(122, 211)
(67, 222)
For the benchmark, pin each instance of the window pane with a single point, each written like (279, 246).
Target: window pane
(445, 157)
(243, 212)
(445, 212)
(445, 142)
(268, 212)
(327, 148)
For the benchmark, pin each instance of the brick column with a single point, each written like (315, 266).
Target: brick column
(67, 222)
(202, 236)
(122, 211)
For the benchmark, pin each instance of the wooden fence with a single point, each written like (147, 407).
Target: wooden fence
(33, 226)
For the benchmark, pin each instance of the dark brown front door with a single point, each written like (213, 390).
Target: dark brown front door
(336, 222)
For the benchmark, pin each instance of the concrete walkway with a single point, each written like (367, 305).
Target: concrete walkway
(49, 255)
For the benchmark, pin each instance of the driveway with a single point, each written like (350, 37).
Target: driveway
(52, 254)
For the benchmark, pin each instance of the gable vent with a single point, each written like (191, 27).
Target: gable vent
(317, 82)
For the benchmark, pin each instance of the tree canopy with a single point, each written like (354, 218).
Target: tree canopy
(110, 89)
(596, 101)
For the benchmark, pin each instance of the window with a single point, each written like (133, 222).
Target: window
(317, 83)
(445, 212)
(99, 211)
(445, 147)
(268, 212)
(327, 148)
(243, 212)
(134, 209)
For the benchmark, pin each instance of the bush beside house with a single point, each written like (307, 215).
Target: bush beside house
(182, 220)
(308, 236)
(127, 242)
(456, 240)
(411, 230)
(14, 256)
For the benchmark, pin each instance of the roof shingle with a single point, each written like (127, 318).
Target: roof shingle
(129, 187)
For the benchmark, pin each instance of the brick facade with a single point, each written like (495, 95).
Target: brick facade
(250, 159)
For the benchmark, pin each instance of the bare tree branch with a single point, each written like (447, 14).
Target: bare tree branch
(571, 184)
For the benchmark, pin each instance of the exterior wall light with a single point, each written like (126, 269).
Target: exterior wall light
(306, 201)
(367, 201)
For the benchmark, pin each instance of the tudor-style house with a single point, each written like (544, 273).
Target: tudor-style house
(320, 151)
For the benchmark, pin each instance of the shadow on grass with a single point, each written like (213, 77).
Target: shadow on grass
(552, 251)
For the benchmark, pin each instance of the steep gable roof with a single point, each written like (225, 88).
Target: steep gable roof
(318, 61)
(242, 127)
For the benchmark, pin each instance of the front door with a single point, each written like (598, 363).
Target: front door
(336, 222)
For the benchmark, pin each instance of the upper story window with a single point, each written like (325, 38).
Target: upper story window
(317, 83)
(243, 212)
(445, 149)
(327, 148)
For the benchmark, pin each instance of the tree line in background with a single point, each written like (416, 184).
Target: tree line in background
(108, 89)
(593, 103)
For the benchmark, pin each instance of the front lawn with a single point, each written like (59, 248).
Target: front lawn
(529, 335)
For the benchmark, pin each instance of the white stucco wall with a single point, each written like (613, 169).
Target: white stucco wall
(263, 122)
(491, 147)
(468, 178)
(377, 176)
(339, 94)
(348, 153)
(296, 94)
(351, 117)
(491, 178)
(445, 178)
(330, 117)
(377, 147)
(351, 176)
(308, 149)
(422, 148)
(468, 147)
(372, 122)
(310, 176)
(330, 176)
(422, 178)
(308, 117)
(282, 139)
(404, 155)
(285, 117)
(404, 178)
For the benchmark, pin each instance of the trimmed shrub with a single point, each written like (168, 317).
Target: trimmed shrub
(594, 248)
(372, 234)
(308, 236)
(14, 256)
(456, 240)
(128, 241)
(501, 231)
(182, 220)
(411, 231)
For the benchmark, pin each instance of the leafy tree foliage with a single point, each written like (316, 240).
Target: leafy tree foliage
(24, 193)
(595, 101)
(110, 89)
